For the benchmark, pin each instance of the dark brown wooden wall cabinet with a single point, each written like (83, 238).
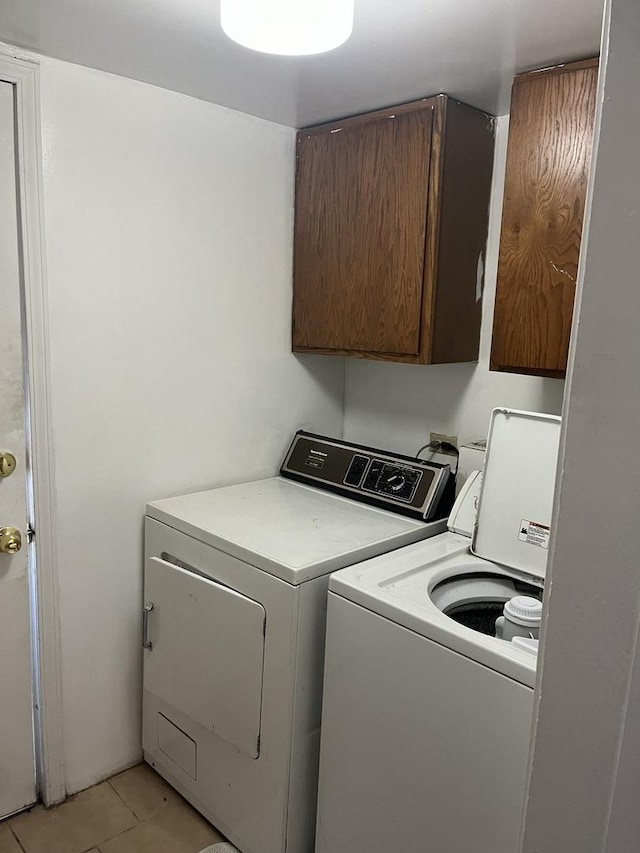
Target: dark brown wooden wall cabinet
(390, 233)
(548, 159)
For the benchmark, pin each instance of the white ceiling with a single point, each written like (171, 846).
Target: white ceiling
(400, 50)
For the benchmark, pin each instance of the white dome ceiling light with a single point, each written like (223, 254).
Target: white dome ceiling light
(288, 27)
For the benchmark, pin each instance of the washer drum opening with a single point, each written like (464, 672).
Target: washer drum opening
(476, 600)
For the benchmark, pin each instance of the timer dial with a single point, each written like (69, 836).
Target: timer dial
(395, 482)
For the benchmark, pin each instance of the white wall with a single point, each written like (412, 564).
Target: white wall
(395, 406)
(586, 770)
(169, 230)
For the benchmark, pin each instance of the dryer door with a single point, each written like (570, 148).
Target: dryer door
(204, 652)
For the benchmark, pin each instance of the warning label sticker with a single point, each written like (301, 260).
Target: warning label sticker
(534, 534)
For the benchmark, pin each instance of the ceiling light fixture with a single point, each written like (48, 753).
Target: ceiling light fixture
(288, 27)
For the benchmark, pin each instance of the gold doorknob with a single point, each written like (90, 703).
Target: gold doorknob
(10, 540)
(7, 463)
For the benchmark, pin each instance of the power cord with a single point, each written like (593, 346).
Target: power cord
(442, 446)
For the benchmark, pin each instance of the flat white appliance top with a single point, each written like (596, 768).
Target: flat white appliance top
(293, 531)
(396, 586)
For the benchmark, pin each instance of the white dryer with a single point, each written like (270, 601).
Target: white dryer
(426, 714)
(235, 602)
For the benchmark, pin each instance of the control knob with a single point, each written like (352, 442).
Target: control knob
(395, 482)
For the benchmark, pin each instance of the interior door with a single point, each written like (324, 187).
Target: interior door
(17, 762)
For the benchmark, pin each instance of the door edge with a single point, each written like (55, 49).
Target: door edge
(23, 71)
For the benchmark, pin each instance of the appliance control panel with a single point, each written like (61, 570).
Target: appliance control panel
(403, 484)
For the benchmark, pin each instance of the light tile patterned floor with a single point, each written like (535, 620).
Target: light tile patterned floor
(134, 812)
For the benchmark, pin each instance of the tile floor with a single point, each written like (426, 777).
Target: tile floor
(133, 812)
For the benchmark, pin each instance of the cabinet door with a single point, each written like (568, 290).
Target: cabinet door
(361, 209)
(548, 159)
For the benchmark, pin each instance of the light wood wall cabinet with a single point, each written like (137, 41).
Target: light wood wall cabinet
(390, 233)
(548, 160)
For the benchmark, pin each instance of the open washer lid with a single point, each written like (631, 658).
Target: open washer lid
(514, 511)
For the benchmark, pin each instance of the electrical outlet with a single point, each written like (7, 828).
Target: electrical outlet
(450, 439)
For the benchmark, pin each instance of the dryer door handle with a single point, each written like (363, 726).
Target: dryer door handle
(146, 642)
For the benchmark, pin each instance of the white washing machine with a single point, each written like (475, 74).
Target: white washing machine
(235, 603)
(426, 719)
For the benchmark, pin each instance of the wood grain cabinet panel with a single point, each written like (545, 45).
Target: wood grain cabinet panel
(548, 160)
(390, 232)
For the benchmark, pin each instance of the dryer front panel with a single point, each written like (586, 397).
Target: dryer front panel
(205, 652)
